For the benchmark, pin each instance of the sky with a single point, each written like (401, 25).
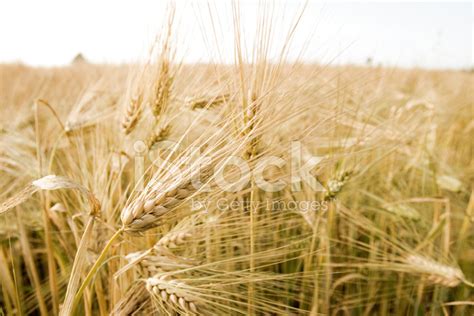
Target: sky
(404, 34)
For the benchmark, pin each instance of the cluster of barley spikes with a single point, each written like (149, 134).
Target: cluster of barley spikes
(111, 184)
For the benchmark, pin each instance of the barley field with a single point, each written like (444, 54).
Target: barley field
(259, 187)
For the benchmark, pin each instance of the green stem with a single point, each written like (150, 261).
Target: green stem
(93, 270)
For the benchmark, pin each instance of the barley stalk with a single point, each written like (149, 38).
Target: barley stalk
(436, 272)
(148, 209)
(172, 293)
(158, 136)
(206, 102)
(132, 114)
(145, 213)
(334, 186)
(163, 88)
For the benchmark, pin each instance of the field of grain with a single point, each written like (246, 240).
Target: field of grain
(178, 189)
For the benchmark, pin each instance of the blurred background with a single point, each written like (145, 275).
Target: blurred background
(404, 34)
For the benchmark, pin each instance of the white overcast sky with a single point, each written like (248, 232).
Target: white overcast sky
(424, 34)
